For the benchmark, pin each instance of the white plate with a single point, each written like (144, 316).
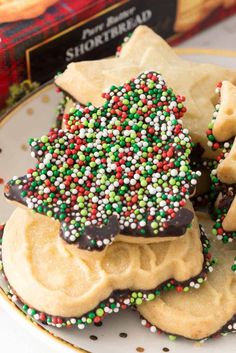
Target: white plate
(33, 118)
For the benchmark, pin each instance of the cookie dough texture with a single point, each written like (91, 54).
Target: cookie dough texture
(16, 10)
(145, 50)
(202, 313)
(49, 274)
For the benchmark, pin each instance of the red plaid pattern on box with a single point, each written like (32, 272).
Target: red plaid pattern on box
(16, 37)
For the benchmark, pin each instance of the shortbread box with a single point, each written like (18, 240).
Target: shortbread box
(38, 38)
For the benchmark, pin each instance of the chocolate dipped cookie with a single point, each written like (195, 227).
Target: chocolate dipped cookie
(121, 169)
(197, 315)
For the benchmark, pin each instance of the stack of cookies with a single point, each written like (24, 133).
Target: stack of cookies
(105, 220)
(221, 134)
(201, 311)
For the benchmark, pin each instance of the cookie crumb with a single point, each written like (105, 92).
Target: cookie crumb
(140, 349)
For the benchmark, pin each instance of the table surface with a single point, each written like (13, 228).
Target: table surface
(12, 336)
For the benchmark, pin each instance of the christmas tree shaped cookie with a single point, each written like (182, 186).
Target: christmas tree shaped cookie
(146, 50)
(122, 168)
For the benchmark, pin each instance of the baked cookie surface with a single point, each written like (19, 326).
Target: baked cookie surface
(145, 50)
(221, 135)
(123, 168)
(199, 314)
(49, 275)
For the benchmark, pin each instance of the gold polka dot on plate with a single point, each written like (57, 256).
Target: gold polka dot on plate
(30, 111)
(45, 98)
(24, 147)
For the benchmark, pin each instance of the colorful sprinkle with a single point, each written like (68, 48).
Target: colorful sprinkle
(212, 142)
(233, 268)
(227, 192)
(230, 327)
(119, 300)
(121, 168)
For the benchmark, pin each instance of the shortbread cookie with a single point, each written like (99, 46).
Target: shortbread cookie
(15, 10)
(223, 122)
(203, 313)
(49, 275)
(224, 210)
(228, 3)
(221, 134)
(191, 13)
(197, 162)
(121, 168)
(222, 131)
(147, 51)
(226, 170)
(224, 214)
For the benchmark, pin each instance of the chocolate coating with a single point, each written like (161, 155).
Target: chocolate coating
(175, 227)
